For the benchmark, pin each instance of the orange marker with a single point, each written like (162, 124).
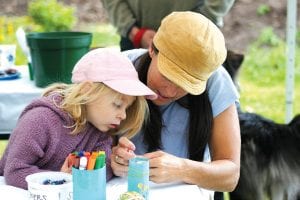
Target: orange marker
(91, 162)
(95, 153)
(71, 159)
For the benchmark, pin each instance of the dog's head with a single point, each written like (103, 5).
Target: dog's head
(295, 124)
(233, 63)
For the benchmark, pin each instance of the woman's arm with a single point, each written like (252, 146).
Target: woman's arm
(215, 10)
(120, 15)
(221, 174)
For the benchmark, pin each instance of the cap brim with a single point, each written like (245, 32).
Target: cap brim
(131, 88)
(179, 77)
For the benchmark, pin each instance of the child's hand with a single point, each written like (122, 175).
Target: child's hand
(65, 168)
(120, 156)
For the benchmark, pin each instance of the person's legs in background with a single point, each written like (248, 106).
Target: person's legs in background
(125, 44)
(219, 196)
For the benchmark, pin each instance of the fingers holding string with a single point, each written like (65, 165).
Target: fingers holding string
(123, 151)
(118, 168)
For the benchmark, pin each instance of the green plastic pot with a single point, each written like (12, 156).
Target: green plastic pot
(54, 54)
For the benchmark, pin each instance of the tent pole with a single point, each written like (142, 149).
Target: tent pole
(290, 61)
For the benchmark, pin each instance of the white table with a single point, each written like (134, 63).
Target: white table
(172, 191)
(14, 96)
(117, 186)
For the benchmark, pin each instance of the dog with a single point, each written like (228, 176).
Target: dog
(270, 161)
(232, 64)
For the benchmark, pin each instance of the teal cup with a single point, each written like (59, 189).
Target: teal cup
(89, 184)
(138, 176)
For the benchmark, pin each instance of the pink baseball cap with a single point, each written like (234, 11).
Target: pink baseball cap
(112, 68)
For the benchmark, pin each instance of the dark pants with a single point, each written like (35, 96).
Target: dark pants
(126, 44)
(219, 196)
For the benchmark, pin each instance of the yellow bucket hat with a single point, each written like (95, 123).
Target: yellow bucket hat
(190, 48)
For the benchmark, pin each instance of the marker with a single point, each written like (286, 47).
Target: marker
(100, 160)
(91, 162)
(76, 162)
(86, 153)
(83, 163)
(95, 153)
(71, 160)
(81, 153)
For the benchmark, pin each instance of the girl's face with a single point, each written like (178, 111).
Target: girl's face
(163, 87)
(107, 112)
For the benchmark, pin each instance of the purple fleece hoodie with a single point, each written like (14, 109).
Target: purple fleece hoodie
(41, 142)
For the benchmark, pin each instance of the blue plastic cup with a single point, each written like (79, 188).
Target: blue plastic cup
(89, 184)
(138, 176)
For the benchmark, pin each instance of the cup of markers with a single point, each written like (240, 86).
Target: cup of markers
(89, 175)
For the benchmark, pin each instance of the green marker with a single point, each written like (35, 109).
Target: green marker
(100, 160)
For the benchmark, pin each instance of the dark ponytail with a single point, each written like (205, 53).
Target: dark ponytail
(201, 118)
(152, 130)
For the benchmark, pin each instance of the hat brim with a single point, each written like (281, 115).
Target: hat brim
(179, 77)
(131, 88)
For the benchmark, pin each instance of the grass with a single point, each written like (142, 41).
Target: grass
(105, 36)
(262, 78)
(3, 144)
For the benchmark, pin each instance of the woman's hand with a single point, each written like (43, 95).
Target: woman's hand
(147, 38)
(165, 167)
(120, 156)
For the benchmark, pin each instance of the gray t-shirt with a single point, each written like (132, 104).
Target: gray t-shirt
(222, 93)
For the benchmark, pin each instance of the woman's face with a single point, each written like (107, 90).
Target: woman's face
(107, 112)
(164, 88)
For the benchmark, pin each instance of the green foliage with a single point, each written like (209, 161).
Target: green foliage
(298, 38)
(262, 77)
(268, 38)
(51, 15)
(3, 144)
(263, 9)
(9, 25)
(104, 35)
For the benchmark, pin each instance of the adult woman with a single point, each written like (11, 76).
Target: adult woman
(194, 117)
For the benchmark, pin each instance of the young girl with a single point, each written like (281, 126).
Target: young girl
(105, 99)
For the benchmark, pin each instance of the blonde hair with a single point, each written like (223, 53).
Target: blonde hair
(76, 96)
